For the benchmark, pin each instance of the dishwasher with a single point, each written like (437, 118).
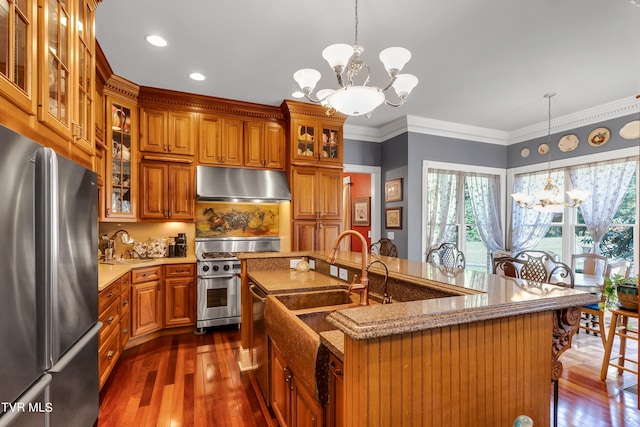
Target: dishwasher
(260, 345)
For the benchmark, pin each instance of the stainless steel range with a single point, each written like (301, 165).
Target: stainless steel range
(218, 286)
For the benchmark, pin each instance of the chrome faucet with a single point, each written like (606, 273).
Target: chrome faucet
(363, 286)
(124, 238)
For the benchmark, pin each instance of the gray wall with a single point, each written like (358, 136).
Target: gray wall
(362, 153)
(616, 142)
(402, 157)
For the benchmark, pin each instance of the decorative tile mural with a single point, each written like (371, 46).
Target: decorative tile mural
(232, 219)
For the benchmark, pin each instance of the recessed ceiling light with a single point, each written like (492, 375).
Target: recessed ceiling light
(156, 40)
(197, 76)
(297, 94)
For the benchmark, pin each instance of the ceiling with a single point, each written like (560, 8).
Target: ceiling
(481, 63)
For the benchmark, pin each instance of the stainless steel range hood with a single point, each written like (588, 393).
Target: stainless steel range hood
(241, 185)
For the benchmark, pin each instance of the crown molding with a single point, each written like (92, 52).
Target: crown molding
(611, 110)
(428, 126)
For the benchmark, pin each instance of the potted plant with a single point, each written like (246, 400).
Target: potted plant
(621, 291)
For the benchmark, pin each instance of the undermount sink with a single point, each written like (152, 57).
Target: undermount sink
(309, 300)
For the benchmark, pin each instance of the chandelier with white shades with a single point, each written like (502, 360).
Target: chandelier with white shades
(549, 199)
(357, 99)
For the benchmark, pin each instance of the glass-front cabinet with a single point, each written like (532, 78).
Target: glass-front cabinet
(55, 82)
(121, 176)
(17, 52)
(82, 123)
(317, 142)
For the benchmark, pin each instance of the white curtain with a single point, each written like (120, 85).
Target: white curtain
(442, 189)
(484, 192)
(607, 183)
(529, 226)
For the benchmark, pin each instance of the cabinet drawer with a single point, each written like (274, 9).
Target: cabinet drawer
(125, 302)
(125, 330)
(108, 354)
(179, 270)
(110, 319)
(141, 275)
(125, 282)
(108, 295)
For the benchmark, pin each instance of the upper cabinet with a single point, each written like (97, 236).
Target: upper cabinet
(67, 69)
(263, 145)
(121, 177)
(219, 141)
(18, 54)
(314, 138)
(167, 132)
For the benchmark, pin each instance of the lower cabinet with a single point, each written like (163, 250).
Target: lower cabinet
(179, 295)
(335, 409)
(113, 308)
(146, 297)
(292, 404)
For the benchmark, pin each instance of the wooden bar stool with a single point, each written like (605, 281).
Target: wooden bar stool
(619, 327)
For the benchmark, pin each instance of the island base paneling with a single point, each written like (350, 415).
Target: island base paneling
(485, 373)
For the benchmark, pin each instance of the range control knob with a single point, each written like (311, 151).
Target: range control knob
(205, 268)
(226, 268)
(215, 268)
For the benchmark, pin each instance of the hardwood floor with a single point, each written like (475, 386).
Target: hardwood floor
(190, 380)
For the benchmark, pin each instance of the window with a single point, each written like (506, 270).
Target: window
(464, 208)
(608, 216)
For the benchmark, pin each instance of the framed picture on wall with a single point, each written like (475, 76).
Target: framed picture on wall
(393, 218)
(361, 211)
(393, 190)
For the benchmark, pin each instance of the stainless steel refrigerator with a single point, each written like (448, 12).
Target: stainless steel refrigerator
(48, 287)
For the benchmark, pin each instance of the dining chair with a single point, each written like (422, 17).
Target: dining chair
(590, 315)
(593, 264)
(448, 255)
(537, 266)
(384, 247)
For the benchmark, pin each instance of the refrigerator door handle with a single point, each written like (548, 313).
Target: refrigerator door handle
(68, 357)
(47, 243)
(34, 392)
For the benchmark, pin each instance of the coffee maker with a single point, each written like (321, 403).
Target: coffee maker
(181, 245)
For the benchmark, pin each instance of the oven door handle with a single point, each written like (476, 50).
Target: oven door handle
(254, 291)
(231, 276)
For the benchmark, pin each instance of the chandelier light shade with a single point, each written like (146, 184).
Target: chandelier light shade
(354, 97)
(550, 199)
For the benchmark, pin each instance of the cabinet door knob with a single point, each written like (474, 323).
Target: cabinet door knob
(110, 320)
(110, 354)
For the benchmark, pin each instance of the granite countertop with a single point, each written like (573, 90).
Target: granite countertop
(481, 297)
(286, 281)
(108, 273)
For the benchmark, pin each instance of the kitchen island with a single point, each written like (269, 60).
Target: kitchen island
(454, 348)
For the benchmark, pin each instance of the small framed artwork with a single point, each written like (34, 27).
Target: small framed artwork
(393, 190)
(393, 218)
(361, 211)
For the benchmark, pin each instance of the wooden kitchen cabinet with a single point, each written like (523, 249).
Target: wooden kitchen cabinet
(264, 145)
(121, 180)
(180, 295)
(167, 132)
(219, 141)
(317, 207)
(167, 191)
(317, 193)
(125, 310)
(110, 314)
(335, 406)
(291, 403)
(146, 300)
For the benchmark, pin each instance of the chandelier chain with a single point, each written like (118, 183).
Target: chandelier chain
(356, 23)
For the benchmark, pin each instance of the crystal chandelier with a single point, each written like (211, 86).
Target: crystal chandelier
(357, 99)
(549, 199)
